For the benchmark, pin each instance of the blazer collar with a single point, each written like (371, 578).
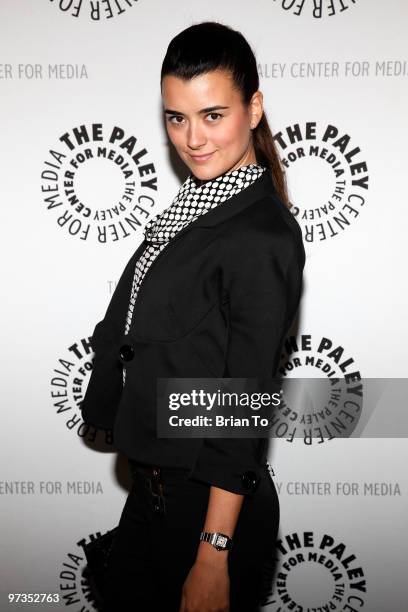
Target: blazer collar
(262, 187)
(256, 191)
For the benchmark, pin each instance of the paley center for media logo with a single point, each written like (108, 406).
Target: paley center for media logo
(315, 8)
(76, 582)
(313, 571)
(322, 391)
(99, 183)
(69, 381)
(95, 10)
(327, 176)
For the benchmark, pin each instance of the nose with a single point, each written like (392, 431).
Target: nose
(195, 136)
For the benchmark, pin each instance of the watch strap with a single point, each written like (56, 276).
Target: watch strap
(220, 541)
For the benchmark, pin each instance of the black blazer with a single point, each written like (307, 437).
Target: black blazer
(218, 301)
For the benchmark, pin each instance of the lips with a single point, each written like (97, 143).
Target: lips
(199, 158)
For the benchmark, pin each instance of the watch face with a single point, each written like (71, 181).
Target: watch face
(221, 541)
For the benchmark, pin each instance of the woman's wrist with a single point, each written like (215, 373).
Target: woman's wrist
(208, 554)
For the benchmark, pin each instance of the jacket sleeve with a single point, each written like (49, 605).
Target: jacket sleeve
(264, 286)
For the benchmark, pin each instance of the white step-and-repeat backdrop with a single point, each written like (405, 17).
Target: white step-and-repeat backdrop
(76, 75)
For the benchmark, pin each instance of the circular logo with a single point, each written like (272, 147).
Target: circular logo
(321, 391)
(95, 10)
(99, 183)
(315, 8)
(75, 579)
(68, 385)
(327, 176)
(313, 572)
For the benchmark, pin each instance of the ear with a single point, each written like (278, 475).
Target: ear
(256, 109)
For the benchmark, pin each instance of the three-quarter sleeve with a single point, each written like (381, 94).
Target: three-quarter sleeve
(264, 286)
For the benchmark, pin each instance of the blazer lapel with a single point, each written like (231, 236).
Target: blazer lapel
(117, 308)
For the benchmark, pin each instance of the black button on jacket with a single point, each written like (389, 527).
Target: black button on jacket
(218, 301)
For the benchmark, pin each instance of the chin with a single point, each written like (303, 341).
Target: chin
(203, 174)
(206, 172)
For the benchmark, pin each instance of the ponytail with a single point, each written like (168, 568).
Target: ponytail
(267, 155)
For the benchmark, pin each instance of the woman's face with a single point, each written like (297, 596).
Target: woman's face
(208, 123)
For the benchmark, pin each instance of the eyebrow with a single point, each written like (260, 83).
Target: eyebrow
(209, 109)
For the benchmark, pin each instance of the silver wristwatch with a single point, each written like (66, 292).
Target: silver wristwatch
(220, 541)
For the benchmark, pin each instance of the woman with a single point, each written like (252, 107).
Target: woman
(213, 290)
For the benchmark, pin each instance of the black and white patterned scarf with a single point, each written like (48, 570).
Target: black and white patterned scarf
(194, 198)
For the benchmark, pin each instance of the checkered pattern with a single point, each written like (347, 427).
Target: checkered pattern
(193, 199)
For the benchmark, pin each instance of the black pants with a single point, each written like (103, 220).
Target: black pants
(158, 538)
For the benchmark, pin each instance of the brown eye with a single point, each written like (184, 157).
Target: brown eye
(170, 119)
(216, 115)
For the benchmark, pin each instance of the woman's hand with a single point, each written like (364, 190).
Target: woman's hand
(206, 588)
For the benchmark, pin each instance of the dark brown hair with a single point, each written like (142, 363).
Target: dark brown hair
(208, 46)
